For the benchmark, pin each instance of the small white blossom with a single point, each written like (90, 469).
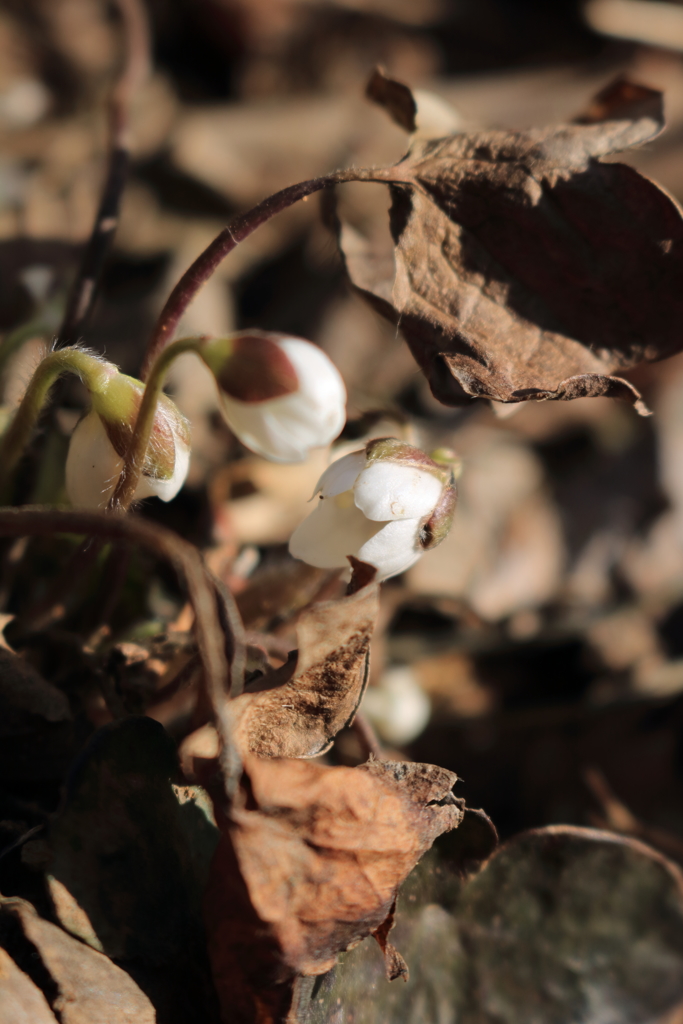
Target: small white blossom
(95, 458)
(385, 505)
(308, 407)
(397, 706)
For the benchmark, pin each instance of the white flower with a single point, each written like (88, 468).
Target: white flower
(397, 706)
(96, 450)
(385, 505)
(281, 396)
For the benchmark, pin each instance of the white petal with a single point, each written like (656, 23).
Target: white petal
(398, 707)
(320, 382)
(335, 529)
(167, 489)
(393, 549)
(263, 432)
(92, 465)
(393, 490)
(285, 429)
(341, 475)
(93, 468)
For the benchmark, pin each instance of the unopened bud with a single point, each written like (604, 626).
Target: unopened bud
(280, 395)
(101, 439)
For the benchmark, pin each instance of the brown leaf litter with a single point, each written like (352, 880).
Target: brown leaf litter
(298, 709)
(308, 865)
(525, 267)
(83, 986)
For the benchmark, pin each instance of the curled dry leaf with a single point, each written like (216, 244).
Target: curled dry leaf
(525, 268)
(81, 985)
(310, 865)
(395, 97)
(300, 707)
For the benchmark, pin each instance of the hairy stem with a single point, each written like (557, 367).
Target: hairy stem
(134, 458)
(211, 640)
(136, 65)
(93, 372)
(240, 228)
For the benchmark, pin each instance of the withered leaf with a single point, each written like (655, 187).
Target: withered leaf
(298, 709)
(523, 266)
(562, 925)
(394, 964)
(81, 985)
(21, 1002)
(568, 924)
(394, 96)
(309, 866)
(130, 856)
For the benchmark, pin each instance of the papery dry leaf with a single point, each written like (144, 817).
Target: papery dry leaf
(279, 590)
(21, 1002)
(302, 706)
(310, 866)
(394, 964)
(525, 268)
(82, 985)
(395, 97)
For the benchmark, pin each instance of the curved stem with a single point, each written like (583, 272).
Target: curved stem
(135, 456)
(239, 229)
(92, 371)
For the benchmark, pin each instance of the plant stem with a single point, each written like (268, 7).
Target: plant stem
(211, 640)
(240, 228)
(134, 458)
(92, 371)
(135, 70)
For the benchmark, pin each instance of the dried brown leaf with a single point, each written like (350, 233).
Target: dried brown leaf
(523, 267)
(394, 964)
(311, 865)
(302, 706)
(21, 1002)
(395, 97)
(83, 986)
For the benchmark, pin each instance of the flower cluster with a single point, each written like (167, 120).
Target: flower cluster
(385, 505)
(281, 396)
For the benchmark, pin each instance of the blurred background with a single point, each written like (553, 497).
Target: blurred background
(539, 651)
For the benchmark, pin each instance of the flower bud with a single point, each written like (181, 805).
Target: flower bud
(385, 505)
(281, 396)
(101, 439)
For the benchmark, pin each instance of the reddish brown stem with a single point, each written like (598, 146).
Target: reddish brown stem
(240, 228)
